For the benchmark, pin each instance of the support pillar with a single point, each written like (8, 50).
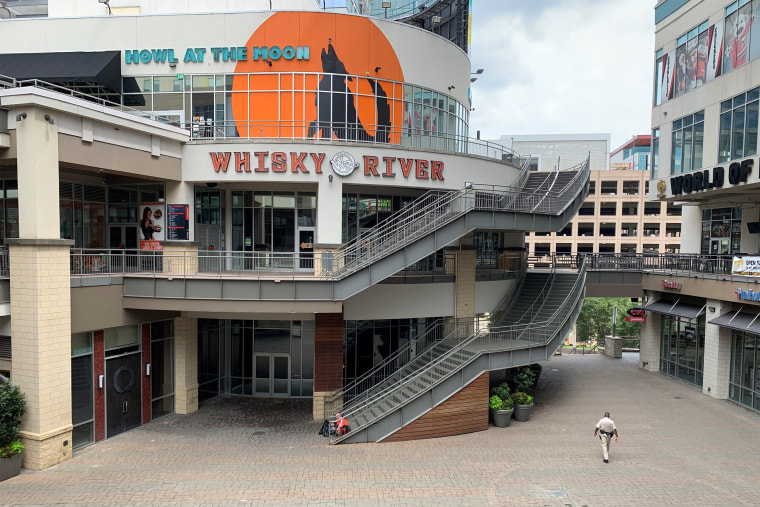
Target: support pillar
(41, 294)
(716, 370)
(649, 345)
(464, 307)
(328, 359)
(185, 364)
(41, 347)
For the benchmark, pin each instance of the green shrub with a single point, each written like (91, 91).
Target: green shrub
(12, 408)
(524, 380)
(502, 391)
(520, 398)
(495, 403)
(536, 367)
(506, 403)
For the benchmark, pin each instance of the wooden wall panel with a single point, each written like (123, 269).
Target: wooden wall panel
(328, 352)
(465, 412)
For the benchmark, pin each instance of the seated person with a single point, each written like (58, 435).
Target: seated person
(341, 427)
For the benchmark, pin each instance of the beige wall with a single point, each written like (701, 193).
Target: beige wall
(101, 308)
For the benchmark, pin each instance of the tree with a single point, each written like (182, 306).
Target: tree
(595, 319)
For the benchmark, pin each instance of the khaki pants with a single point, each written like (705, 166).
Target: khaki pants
(606, 439)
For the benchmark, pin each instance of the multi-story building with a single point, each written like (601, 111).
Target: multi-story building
(271, 203)
(617, 216)
(702, 324)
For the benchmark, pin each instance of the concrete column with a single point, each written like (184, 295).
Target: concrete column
(180, 258)
(649, 348)
(37, 145)
(328, 359)
(185, 364)
(41, 345)
(465, 284)
(717, 368)
(330, 207)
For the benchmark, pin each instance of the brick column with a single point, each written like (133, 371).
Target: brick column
(185, 364)
(717, 368)
(328, 358)
(179, 258)
(41, 346)
(99, 356)
(465, 284)
(147, 408)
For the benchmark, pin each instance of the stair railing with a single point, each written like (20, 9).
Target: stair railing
(492, 339)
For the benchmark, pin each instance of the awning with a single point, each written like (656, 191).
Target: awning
(101, 68)
(739, 320)
(676, 308)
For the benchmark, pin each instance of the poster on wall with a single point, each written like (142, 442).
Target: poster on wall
(714, 51)
(668, 74)
(754, 32)
(736, 38)
(151, 225)
(178, 222)
(747, 266)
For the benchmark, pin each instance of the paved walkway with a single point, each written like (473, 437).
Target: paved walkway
(677, 447)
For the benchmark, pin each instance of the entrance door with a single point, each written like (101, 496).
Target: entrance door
(123, 394)
(272, 375)
(306, 248)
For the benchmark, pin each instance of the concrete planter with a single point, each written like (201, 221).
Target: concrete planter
(502, 418)
(522, 412)
(10, 467)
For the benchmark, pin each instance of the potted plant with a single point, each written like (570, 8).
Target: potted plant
(12, 408)
(536, 369)
(501, 411)
(523, 403)
(524, 380)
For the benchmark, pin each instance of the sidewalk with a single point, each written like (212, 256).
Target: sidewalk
(677, 447)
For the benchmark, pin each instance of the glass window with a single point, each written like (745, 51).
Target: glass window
(739, 126)
(687, 143)
(121, 336)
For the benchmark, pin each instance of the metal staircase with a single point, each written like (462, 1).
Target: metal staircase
(542, 202)
(542, 309)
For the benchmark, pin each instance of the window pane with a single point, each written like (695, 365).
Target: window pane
(737, 141)
(699, 134)
(750, 147)
(724, 141)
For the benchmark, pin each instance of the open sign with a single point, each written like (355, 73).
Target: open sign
(636, 312)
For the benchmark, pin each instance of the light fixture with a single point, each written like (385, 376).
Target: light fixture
(451, 87)
(468, 185)
(21, 116)
(377, 69)
(147, 369)
(172, 64)
(436, 20)
(49, 119)
(711, 308)
(473, 79)
(478, 72)
(107, 5)
(101, 379)
(329, 178)
(386, 5)
(269, 62)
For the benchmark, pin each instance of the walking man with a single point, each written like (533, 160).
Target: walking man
(606, 427)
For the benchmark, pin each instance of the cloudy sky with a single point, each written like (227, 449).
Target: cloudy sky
(562, 67)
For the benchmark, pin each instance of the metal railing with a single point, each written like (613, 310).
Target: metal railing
(491, 340)
(324, 130)
(421, 348)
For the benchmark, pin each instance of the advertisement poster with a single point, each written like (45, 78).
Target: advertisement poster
(178, 222)
(736, 38)
(748, 266)
(151, 225)
(668, 75)
(714, 50)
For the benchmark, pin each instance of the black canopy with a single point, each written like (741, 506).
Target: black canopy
(71, 69)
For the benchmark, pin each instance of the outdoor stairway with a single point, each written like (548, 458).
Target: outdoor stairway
(545, 201)
(551, 300)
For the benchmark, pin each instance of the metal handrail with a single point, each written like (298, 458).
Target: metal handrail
(357, 132)
(535, 332)
(362, 387)
(433, 211)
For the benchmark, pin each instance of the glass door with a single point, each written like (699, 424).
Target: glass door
(306, 248)
(272, 375)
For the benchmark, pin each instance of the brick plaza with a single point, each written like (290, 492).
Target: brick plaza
(677, 447)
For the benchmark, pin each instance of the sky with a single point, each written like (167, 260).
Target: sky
(562, 67)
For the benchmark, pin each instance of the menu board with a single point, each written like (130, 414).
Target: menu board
(178, 221)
